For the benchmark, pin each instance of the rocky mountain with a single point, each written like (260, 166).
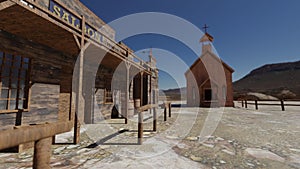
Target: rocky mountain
(281, 80)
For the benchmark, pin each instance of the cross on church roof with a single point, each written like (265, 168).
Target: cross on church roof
(205, 28)
(206, 37)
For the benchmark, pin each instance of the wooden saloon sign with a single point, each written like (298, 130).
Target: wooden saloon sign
(101, 35)
(63, 13)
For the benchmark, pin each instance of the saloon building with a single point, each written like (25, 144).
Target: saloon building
(209, 79)
(58, 60)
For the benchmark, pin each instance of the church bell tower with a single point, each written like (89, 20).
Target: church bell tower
(206, 41)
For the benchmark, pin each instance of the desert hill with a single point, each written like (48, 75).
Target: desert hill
(281, 80)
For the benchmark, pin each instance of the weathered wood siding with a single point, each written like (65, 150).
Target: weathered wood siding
(43, 107)
(198, 79)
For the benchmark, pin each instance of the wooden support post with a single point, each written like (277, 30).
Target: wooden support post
(142, 88)
(127, 92)
(165, 113)
(42, 153)
(256, 105)
(53, 139)
(79, 95)
(282, 105)
(170, 109)
(140, 128)
(154, 119)
(150, 92)
(140, 121)
(242, 103)
(76, 138)
(246, 106)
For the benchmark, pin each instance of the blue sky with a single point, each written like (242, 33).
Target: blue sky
(248, 34)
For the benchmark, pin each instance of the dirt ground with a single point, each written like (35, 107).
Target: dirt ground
(218, 138)
(268, 138)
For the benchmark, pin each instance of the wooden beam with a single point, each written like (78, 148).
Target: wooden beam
(77, 41)
(146, 107)
(25, 134)
(6, 4)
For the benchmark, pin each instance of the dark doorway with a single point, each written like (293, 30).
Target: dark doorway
(115, 113)
(207, 94)
(145, 90)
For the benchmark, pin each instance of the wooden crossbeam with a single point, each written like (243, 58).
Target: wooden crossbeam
(6, 4)
(146, 107)
(25, 134)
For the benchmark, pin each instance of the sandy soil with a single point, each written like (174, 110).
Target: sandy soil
(191, 138)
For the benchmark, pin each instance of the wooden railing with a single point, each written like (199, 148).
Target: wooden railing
(41, 135)
(140, 110)
(166, 106)
(280, 103)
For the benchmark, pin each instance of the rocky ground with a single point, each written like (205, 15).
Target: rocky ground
(192, 138)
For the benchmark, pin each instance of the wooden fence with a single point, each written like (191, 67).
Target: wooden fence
(281, 103)
(140, 110)
(41, 134)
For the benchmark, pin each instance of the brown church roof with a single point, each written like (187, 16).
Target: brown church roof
(207, 37)
(213, 56)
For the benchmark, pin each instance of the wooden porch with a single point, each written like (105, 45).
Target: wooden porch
(58, 49)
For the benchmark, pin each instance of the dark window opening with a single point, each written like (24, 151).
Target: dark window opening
(14, 82)
(208, 94)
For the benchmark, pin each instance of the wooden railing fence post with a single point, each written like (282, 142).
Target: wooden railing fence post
(154, 119)
(165, 112)
(42, 153)
(282, 105)
(140, 120)
(170, 109)
(256, 105)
